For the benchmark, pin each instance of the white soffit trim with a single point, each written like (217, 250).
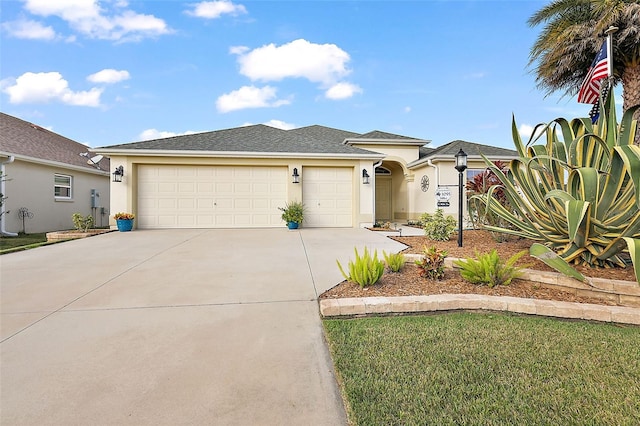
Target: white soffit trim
(447, 158)
(58, 164)
(232, 154)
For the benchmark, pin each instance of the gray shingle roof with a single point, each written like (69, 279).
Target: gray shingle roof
(471, 149)
(21, 138)
(258, 138)
(377, 134)
(322, 132)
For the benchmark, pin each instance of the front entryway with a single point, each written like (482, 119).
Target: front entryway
(383, 199)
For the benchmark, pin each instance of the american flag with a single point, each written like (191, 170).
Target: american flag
(599, 70)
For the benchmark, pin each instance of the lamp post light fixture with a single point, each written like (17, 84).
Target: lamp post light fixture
(118, 173)
(296, 176)
(461, 166)
(365, 177)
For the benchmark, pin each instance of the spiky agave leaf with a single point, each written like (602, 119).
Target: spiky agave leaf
(578, 192)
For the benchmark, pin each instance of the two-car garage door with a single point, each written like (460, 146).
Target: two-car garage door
(181, 196)
(175, 196)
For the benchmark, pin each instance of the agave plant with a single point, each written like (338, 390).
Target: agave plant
(578, 194)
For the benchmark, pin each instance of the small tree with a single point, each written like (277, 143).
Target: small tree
(488, 183)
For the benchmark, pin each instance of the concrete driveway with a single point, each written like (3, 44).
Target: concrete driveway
(173, 327)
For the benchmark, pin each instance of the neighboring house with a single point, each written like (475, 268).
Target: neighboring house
(237, 178)
(49, 177)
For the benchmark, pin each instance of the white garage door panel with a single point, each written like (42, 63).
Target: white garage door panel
(210, 196)
(327, 195)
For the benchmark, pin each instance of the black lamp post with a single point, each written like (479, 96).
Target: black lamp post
(461, 166)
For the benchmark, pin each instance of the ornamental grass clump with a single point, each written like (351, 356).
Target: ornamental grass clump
(395, 261)
(366, 270)
(577, 194)
(489, 268)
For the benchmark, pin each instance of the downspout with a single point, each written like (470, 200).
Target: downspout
(430, 164)
(2, 222)
(375, 166)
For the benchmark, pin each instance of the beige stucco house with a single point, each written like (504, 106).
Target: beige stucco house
(48, 178)
(237, 178)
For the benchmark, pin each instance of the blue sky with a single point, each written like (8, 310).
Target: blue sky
(108, 72)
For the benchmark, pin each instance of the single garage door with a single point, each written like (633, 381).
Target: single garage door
(327, 193)
(178, 196)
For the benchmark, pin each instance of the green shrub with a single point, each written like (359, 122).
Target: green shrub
(293, 212)
(424, 218)
(490, 269)
(365, 270)
(395, 261)
(82, 223)
(432, 263)
(438, 227)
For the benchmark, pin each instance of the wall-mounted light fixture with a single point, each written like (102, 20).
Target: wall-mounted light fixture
(118, 173)
(296, 176)
(365, 177)
(461, 166)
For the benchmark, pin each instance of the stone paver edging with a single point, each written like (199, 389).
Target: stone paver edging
(359, 306)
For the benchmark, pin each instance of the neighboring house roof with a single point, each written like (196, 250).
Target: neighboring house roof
(30, 142)
(473, 150)
(257, 139)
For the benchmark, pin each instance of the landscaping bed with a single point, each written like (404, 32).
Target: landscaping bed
(408, 282)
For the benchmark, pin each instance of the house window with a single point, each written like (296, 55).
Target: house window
(471, 173)
(62, 187)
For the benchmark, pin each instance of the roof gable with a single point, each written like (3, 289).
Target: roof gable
(24, 139)
(377, 134)
(471, 149)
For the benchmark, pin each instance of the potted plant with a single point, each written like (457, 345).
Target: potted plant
(293, 214)
(124, 221)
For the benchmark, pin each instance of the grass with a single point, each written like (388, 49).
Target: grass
(22, 242)
(486, 369)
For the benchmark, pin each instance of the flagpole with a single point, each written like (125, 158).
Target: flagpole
(609, 32)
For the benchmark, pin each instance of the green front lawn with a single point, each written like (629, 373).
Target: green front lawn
(21, 240)
(485, 369)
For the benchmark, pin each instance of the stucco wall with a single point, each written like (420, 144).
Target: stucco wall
(31, 185)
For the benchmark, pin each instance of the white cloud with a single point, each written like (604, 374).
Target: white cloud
(47, 87)
(215, 9)
(278, 124)
(342, 91)
(109, 76)
(28, 29)
(526, 130)
(238, 50)
(320, 63)
(407, 109)
(158, 134)
(249, 97)
(92, 20)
